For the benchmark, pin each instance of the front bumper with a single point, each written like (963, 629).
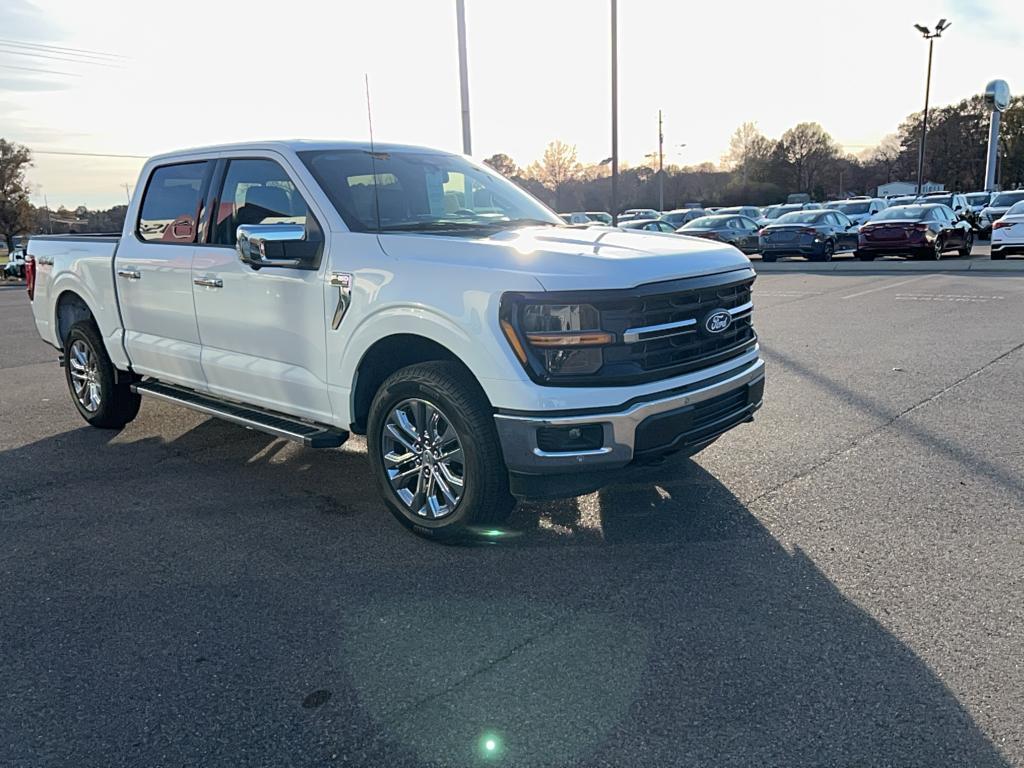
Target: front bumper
(638, 433)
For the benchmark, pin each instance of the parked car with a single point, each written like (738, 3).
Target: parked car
(858, 209)
(576, 218)
(955, 201)
(638, 213)
(816, 235)
(740, 231)
(925, 230)
(600, 217)
(978, 201)
(742, 210)
(682, 216)
(1001, 203)
(648, 225)
(772, 212)
(1008, 232)
(315, 289)
(900, 200)
(15, 266)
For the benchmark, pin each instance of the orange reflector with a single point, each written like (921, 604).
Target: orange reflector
(584, 339)
(513, 340)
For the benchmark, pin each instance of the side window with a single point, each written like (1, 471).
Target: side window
(170, 207)
(255, 191)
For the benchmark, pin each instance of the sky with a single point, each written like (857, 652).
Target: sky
(197, 72)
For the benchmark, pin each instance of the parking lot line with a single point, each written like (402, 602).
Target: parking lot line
(886, 287)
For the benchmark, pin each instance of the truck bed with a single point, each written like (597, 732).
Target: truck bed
(84, 264)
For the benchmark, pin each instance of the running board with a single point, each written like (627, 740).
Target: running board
(308, 433)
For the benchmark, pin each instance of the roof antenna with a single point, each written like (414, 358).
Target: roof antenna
(373, 155)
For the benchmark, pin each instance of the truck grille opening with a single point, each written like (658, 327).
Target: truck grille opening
(672, 338)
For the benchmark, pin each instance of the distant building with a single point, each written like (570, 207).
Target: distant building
(908, 188)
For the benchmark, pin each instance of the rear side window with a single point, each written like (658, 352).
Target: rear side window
(256, 191)
(170, 207)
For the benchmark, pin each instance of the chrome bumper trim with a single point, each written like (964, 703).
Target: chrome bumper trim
(518, 434)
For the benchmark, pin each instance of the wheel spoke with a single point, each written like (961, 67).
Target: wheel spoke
(450, 476)
(401, 418)
(394, 475)
(397, 435)
(449, 496)
(396, 460)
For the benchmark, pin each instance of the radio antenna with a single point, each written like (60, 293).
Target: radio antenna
(373, 154)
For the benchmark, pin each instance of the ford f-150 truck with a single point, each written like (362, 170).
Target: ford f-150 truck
(316, 289)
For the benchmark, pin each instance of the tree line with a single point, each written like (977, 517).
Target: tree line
(758, 170)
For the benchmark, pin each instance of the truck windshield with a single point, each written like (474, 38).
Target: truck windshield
(420, 192)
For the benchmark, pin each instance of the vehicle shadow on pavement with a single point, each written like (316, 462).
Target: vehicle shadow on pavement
(972, 460)
(226, 599)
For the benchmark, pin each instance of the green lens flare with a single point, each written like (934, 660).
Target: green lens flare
(490, 746)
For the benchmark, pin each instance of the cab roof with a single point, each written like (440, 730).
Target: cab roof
(298, 145)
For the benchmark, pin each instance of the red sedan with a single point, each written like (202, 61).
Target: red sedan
(921, 231)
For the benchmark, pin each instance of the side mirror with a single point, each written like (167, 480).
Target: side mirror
(275, 245)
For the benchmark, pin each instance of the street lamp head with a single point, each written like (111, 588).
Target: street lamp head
(923, 30)
(940, 26)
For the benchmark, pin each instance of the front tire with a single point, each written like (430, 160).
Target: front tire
(435, 451)
(92, 381)
(864, 256)
(965, 252)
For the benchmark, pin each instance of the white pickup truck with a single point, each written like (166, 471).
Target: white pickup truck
(316, 289)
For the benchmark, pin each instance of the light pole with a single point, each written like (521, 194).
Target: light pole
(460, 24)
(615, 112)
(930, 36)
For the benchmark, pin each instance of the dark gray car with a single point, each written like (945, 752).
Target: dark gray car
(816, 235)
(682, 216)
(740, 231)
(1001, 203)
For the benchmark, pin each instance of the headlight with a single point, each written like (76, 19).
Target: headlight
(566, 339)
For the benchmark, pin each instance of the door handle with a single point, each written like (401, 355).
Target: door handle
(209, 282)
(130, 274)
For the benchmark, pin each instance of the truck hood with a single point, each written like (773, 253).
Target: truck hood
(564, 259)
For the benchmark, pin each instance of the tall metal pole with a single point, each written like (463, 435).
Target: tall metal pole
(924, 121)
(460, 16)
(661, 166)
(615, 112)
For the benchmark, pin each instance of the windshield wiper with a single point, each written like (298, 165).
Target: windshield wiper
(434, 226)
(507, 223)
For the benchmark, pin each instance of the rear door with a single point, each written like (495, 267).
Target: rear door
(263, 330)
(153, 271)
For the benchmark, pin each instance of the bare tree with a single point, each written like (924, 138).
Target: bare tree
(749, 150)
(558, 167)
(806, 150)
(15, 210)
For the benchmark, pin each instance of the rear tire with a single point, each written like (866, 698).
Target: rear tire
(864, 256)
(454, 419)
(92, 381)
(998, 256)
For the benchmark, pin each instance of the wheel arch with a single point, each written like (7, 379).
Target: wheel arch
(387, 355)
(69, 309)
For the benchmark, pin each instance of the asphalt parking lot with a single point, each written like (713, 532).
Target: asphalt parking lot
(839, 583)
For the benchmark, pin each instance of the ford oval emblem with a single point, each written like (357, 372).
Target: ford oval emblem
(718, 321)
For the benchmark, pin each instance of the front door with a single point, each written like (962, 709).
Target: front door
(153, 270)
(263, 330)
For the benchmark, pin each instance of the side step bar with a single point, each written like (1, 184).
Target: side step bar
(308, 433)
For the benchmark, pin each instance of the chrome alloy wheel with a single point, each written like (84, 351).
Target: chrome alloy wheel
(423, 458)
(85, 376)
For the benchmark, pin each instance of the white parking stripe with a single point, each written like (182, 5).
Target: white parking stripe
(887, 287)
